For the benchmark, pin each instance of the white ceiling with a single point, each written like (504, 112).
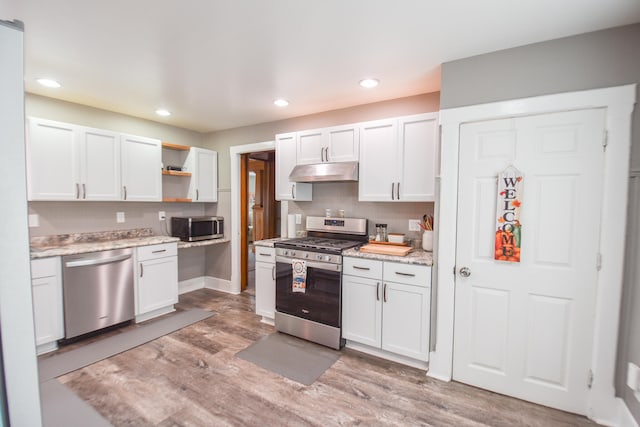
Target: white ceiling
(219, 64)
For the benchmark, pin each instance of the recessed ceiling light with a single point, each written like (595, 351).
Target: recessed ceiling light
(281, 102)
(369, 83)
(162, 112)
(49, 83)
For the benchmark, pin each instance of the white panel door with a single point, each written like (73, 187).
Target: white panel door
(100, 165)
(285, 162)
(53, 160)
(362, 310)
(141, 169)
(526, 329)
(205, 179)
(266, 289)
(379, 161)
(344, 144)
(310, 147)
(419, 143)
(157, 284)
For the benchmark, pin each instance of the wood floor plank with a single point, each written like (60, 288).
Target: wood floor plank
(193, 378)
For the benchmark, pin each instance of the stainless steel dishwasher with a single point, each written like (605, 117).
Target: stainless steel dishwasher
(97, 289)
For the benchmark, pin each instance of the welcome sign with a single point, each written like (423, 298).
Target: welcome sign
(508, 226)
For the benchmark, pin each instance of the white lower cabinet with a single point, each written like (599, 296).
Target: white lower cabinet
(46, 287)
(386, 306)
(156, 280)
(265, 283)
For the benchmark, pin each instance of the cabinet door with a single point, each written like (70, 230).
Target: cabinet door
(285, 162)
(100, 161)
(419, 146)
(310, 147)
(378, 161)
(46, 287)
(362, 310)
(157, 284)
(265, 289)
(205, 179)
(406, 315)
(141, 169)
(343, 144)
(53, 160)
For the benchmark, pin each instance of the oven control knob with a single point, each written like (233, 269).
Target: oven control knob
(327, 258)
(306, 255)
(319, 257)
(293, 253)
(285, 253)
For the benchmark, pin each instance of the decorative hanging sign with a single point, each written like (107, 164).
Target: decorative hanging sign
(299, 273)
(508, 227)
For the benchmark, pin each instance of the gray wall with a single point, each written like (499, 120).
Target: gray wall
(323, 197)
(594, 60)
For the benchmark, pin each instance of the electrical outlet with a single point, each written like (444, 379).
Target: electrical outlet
(34, 220)
(298, 218)
(162, 215)
(119, 216)
(413, 225)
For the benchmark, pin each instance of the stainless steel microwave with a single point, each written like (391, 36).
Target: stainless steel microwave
(195, 228)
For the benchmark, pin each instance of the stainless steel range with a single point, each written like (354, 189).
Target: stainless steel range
(308, 279)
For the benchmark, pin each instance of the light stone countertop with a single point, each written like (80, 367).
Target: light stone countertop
(417, 256)
(85, 247)
(268, 243)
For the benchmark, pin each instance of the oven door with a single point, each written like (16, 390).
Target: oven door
(321, 300)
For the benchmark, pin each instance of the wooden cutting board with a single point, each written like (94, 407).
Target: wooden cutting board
(386, 250)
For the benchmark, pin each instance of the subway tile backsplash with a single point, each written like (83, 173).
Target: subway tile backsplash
(344, 195)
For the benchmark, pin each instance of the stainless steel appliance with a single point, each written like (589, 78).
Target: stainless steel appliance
(308, 279)
(195, 228)
(97, 290)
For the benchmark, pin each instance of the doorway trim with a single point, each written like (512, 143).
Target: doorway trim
(234, 158)
(603, 406)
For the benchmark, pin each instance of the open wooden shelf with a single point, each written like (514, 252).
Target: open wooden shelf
(176, 173)
(178, 147)
(175, 200)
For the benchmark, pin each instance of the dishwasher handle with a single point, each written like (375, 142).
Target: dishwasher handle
(96, 261)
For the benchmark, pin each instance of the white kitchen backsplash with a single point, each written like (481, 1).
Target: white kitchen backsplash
(344, 195)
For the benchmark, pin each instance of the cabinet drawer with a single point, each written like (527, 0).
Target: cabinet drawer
(411, 274)
(45, 267)
(362, 267)
(157, 251)
(265, 254)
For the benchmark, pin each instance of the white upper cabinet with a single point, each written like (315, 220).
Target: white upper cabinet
(141, 169)
(204, 175)
(72, 162)
(286, 144)
(69, 162)
(335, 144)
(398, 159)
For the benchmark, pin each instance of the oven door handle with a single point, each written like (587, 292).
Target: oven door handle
(311, 264)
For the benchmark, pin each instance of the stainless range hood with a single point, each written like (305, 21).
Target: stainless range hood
(325, 172)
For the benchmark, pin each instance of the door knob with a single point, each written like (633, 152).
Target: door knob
(465, 272)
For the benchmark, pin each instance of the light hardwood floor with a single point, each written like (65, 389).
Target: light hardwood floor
(192, 378)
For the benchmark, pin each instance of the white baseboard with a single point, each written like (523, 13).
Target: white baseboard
(218, 284)
(626, 419)
(191, 285)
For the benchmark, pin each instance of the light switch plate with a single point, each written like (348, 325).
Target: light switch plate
(298, 218)
(413, 225)
(34, 220)
(119, 216)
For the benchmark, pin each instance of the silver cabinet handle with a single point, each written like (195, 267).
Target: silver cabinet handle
(293, 186)
(273, 272)
(96, 261)
(398, 192)
(384, 293)
(197, 194)
(377, 291)
(124, 187)
(400, 273)
(361, 268)
(141, 269)
(77, 190)
(84, 191)
(465, 272)
(261, 254)
(159, 251)
(393, 187)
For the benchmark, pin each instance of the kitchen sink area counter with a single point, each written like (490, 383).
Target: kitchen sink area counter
(200, 243)
(268, 243)
(78, 243)
(417, 256)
